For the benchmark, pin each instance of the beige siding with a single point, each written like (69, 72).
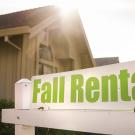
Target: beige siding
(8, 70)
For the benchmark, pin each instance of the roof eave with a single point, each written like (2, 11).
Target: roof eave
(93, 62)
(44, 24)
(14, 31)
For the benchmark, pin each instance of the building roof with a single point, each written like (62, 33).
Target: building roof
(34, 19)
(27, 18)
(106, 61)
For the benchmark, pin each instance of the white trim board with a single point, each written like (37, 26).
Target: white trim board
(107, 122)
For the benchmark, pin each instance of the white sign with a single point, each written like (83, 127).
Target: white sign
(109, 87)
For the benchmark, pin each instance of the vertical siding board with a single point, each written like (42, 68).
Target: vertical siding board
(2, 68)
(8, 70)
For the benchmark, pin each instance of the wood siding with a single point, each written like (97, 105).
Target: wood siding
(8, 70)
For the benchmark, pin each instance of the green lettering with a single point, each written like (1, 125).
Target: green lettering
(46, 95)
(55, 89)
(36, 90)
(133, 88)
(124, 85)
(109, 82)
(61, 91)
(76, 88)
(92, 89)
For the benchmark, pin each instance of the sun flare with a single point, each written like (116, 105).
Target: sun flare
(66, 7)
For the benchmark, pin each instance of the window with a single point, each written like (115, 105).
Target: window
(46, 62)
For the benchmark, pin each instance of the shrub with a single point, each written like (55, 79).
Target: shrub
(6, 129)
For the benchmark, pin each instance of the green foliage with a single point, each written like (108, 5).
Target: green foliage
(6, 104)
(6, 129)
(46, 131)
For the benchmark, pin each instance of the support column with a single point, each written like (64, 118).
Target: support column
(25, 53)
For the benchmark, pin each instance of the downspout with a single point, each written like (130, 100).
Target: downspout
(7, 40)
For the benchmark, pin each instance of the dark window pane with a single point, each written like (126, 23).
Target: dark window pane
(45, 53)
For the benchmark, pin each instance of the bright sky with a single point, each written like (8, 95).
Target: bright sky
(109, 24)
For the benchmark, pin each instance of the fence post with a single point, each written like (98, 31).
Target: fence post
(22, 101)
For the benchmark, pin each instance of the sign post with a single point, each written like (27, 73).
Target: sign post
(22, 102)
(98, 100)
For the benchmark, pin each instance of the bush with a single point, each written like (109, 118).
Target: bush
(45, 131)
(6, 129)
